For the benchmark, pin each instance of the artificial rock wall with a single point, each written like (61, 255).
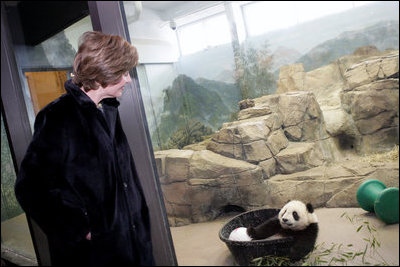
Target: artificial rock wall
(291, 145)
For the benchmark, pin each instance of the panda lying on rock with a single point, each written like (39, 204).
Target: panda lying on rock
(294, 219)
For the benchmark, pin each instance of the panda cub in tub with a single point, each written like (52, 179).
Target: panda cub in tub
(294, 219)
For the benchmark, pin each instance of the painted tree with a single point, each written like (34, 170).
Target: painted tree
(253, 70)
(191, 132)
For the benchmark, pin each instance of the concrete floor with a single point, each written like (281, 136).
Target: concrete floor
(199, 244)
(15, 236)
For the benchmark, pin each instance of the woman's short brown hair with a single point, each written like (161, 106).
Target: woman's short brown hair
(102, 58)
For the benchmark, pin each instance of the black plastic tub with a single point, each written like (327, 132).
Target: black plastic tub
(244, 251)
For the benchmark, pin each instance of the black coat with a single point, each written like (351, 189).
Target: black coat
(78, 176)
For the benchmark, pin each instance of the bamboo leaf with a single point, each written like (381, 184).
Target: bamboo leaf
(365, 251)
(373, 243)
(325, 254)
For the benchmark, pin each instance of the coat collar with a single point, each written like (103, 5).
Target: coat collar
(83, 99)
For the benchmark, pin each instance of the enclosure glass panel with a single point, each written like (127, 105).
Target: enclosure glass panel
(248, 102)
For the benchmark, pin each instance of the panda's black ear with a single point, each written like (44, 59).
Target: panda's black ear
(310, 208)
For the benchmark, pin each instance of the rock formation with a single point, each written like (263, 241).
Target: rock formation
(198, 184)
(358, 95)
(293, 144)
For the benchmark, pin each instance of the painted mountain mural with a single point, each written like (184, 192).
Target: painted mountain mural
(205, 95)
(383, 35)
(186, 101)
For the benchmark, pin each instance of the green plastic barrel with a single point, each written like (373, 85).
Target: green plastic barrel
(387, 205)
(368, 192)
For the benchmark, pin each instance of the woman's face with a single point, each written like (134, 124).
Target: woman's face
(116, 90)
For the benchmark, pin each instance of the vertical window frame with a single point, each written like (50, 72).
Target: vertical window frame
(109, 17)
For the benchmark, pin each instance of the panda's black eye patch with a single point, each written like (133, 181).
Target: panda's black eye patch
(283, 213)
(295, 216)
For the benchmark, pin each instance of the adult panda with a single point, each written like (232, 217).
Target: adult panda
(294, 219)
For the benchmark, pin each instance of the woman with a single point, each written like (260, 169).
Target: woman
(78, 179)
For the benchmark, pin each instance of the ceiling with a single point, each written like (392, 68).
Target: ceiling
(168, 10)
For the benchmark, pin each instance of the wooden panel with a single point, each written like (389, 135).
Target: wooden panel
(45, 86)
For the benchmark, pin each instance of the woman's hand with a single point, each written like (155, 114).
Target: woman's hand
(89, 236)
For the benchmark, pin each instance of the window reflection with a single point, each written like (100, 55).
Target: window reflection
(42, 69)
(14, 227)
(252, 91)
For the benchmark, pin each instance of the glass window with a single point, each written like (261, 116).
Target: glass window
(192, 38)
(265, 16)
(14, 227)
(203, 34)
(186, 97)
(153, 91)
(236, 95)
(217, 30)
(43, 68)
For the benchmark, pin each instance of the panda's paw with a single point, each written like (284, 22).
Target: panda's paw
(240, 234)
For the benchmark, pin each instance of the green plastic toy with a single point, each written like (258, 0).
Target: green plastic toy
(374, 196)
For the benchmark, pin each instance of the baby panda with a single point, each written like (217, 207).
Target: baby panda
(295, 219)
